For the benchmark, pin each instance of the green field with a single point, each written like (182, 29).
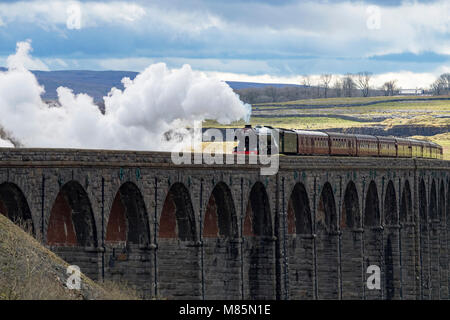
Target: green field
(426, 118)
(351, 100)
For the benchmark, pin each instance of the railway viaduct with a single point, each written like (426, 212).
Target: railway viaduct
(227, 232)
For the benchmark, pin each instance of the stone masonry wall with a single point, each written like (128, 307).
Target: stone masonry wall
(286, 263)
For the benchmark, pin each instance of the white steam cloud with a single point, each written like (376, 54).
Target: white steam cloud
(158, 100)
(5, 144)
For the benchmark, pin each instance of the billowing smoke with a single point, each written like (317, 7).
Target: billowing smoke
(5, 144)
(157, 101)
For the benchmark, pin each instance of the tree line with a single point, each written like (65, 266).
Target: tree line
(442, 85)
(334, 86)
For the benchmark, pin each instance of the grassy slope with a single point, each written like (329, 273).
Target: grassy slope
(30, 271)
(345, 100)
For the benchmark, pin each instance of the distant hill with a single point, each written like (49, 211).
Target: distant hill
(97, 84)
(237, 85)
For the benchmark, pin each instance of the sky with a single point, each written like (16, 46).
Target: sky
(256, 40)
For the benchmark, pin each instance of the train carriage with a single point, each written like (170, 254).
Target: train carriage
(417, 148)
(436, 150)
(404, 149)
(366, 146)
(387, 147)
(312, 142)
(302, 142)
(342, 144)
(426, 149)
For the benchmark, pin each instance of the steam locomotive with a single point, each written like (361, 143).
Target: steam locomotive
(301, 142)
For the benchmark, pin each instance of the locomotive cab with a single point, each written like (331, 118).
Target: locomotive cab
(250, 140)
(247, 141)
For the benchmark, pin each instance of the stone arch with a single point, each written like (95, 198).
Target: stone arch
(433, 207)
(177, 218)
(350, 208)
(327, 245)
(178, 256)
(372, 207)
(71, 219)
(71, 228)
(326, 217)
(441, 211)
(442, 244)
(373, 236)
(407, 243)
(424, 257)
(434, 245)
(423, 213)
(258, 220)
(128, 220)
(299, 212)
(390, 205)
(220, 215)
(127, 238)
(406, 213)
(391, 263)
(259, 252)
(351, 243)
(300, 248)
(14, 205)
(221, 253)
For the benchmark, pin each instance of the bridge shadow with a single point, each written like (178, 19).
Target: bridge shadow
(300, 245)
(351, 244)
(373, 247)
(127, 251)
(14, 205)
(442, 245)
(179, 270)
(407, 244)
(391, 272)
(327, 245)
(71, 231)
(424, 239)
(221, 250)
(259, 246)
